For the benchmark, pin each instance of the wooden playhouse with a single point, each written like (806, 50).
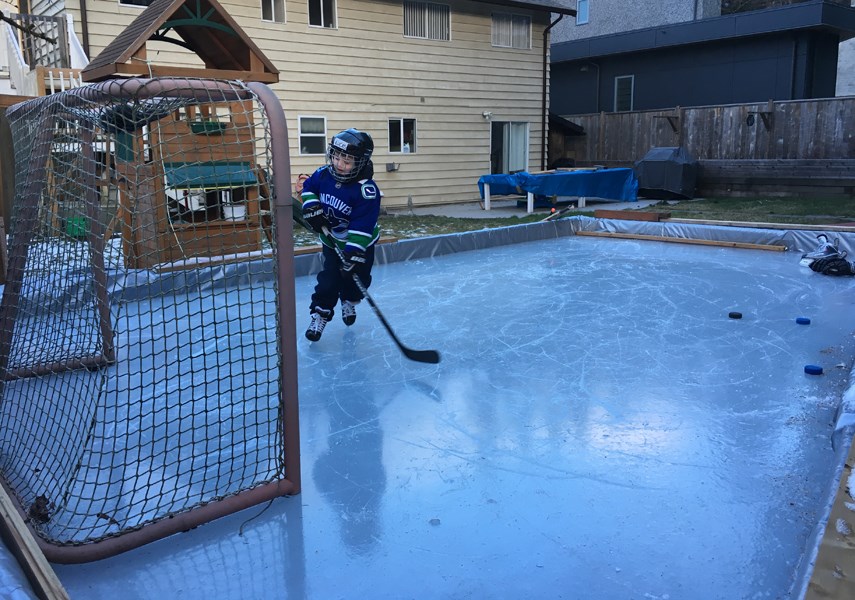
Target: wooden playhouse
(187, 177)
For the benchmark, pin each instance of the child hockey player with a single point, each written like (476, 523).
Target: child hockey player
(342, 198)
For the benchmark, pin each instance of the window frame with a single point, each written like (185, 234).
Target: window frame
(583, 16)
(631, 79)
(301, 135)
(402, 122)
(273, 4)
(514, 22)
(333, 23)
(426, 20)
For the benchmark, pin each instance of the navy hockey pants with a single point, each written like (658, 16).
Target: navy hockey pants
(334, 285)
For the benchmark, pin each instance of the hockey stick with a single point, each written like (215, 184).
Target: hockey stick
(297, 214)
(424, 356)
(557, 214)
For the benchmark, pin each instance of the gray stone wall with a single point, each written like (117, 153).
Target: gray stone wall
(615, 16)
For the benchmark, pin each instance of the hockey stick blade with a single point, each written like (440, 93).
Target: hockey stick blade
(430, 357)
(422, 356)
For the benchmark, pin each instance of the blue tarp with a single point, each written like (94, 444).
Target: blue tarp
(609, 184)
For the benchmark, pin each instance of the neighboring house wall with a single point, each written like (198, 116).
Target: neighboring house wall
(846, 67)
(725, 72)
(365, 72)
(846, 70)
(785, 53)
(616, 16)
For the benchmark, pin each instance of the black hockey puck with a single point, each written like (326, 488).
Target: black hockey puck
(813, 369)
(802, 320)
(734, 315)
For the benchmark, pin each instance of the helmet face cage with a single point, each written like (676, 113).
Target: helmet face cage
(348, 146)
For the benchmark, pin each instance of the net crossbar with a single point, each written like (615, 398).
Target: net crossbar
(147, 335)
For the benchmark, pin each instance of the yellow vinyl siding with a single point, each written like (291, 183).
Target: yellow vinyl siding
(365, 72)
(45, 8)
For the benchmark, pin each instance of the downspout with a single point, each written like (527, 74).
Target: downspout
(794, 67)
(810, 56)
(543, 114)
(84, 27)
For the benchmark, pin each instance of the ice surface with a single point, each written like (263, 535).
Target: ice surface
(598, 428)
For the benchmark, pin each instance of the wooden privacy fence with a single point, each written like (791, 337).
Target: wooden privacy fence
(797, 146)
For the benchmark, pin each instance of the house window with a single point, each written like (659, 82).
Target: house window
(313, 135)
(273, 10)
(511, 31)
(581, 12)
(135, 2)
(402, 135)
(322, 13)
(427, 20)
(624, 92)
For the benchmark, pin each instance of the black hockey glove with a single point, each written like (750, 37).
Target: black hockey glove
(314, 215)
(832, 265)
(354, 260)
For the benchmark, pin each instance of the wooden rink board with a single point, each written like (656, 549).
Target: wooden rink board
(631, 215)
(833, 573)
(20, 542)
(662, 238)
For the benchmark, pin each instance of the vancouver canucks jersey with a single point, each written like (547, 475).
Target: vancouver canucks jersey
(352, 209)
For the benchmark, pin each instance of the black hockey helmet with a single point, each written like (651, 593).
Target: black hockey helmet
(352, 143)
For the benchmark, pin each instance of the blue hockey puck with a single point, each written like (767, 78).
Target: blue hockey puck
(802, 320)
(734, 315)
(813, 369)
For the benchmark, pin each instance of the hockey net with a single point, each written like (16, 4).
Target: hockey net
(147, 344)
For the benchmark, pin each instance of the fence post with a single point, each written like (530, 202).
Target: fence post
(770, 132)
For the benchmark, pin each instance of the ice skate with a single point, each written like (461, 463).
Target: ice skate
(348, 312)
(825, 250)
(320, 318)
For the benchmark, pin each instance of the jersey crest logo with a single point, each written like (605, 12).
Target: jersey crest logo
(369, 191)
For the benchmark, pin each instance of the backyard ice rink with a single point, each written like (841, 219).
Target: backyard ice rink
(598, 428)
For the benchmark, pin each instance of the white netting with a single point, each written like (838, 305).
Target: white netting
(139, 336)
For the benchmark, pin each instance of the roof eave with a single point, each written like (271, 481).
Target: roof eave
(550, 7)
